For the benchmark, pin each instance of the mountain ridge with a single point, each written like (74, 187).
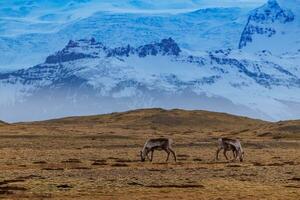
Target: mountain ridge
(150, 75)
(136, 29)
(95, 49)
(268, 25)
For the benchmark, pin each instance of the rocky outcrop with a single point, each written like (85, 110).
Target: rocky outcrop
(263, 21)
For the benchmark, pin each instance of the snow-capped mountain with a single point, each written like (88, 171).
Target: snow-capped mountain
(197, 66)
(87, 77)
(200, 29)
(273, 27)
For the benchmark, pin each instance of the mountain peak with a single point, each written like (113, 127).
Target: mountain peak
(266, 22)
(78, 49)
(90, 48)
(272, 2)
(271, 12)
(164, 47)
(170, 46)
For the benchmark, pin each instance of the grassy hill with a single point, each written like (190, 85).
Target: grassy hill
(164, 119)
(282, 129)
(160, 122)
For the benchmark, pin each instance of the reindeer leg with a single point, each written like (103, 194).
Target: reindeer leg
(152, 155)
(238, 154)
(168, 152)
(173, 153)
(225, 151)
(234, 154)
(217, 153)
(147, 154)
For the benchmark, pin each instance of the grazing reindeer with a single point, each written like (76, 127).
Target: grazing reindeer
(233, 145)
(157, 144)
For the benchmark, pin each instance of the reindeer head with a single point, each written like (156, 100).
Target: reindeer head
(142, 156)
(241, 156)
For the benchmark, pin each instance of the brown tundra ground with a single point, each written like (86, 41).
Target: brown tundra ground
(97, 157)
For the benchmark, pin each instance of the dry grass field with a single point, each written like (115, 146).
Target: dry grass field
(97, 157)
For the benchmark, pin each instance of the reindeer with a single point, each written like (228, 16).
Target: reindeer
(233, 145)
(157, 144)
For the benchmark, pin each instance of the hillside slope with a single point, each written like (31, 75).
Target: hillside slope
(160, 119)
(157, 122)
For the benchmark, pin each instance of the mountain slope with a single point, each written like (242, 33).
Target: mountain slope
(204, 124)
(187, 121)
(194, 30)
(87, 77)
(273, 28)
(160, 118)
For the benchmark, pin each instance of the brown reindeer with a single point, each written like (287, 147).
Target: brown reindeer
(157, 144)
(233, 145)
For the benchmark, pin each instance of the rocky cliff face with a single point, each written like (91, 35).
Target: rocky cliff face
(84, 48)
(267, 26)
